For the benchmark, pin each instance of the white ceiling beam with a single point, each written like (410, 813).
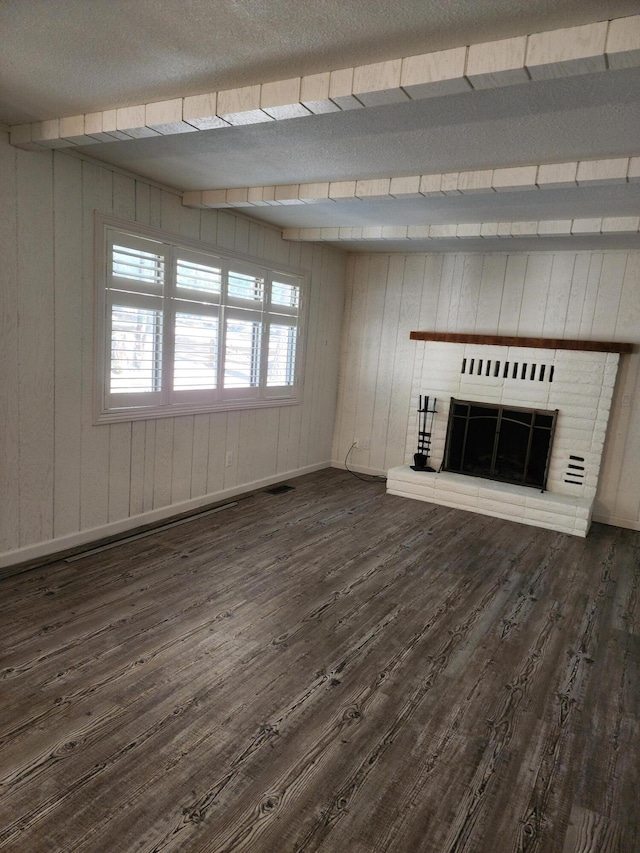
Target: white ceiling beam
(556, 53)
(532, 177)
(469, 230)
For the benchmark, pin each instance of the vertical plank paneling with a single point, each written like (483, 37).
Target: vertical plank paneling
(232, 446)
(171, 212)
(216, 452)
(256, 240)
(577, 295)
(248, 453)
(35, 345)
(136, 468)
(241, 237)
(386, 350)
(268, 424)
(300, 448)
(67, 200)
(534, 296)
(609, 293)
(284, 420)
(189, 222)
(226, 230)
(149, 465)
(62, 472)
(124, 196)
(163, 462)
(368, 361)
(120, 457)
(332, 305)
(403, 359)
(555, 313)
(455, 291)
(511, 302)
(591, 295)
(587, 294)
(182, 459)
(143, 203)
(200, 455)
(470, 292)
(275, 248)
(346, 380)
(9, 386)
(209, 226)
(621, 462)
(492, 285)
(97, 194)
(618, 493)
(445, 284)
(155, 207)
(119, 470)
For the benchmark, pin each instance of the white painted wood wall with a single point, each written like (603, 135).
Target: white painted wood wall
(592, 295)
(63, 479)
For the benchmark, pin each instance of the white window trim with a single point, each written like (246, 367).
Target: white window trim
(165, 403)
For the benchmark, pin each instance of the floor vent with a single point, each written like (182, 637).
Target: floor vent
(279, 490)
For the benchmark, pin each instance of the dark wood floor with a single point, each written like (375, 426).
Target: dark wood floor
(331, 669)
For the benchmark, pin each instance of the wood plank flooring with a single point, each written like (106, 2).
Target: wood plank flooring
(329, 669)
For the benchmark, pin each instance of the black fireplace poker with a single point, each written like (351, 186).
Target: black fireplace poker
(425, 417)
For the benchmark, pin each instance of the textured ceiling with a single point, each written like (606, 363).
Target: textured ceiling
(67, 57)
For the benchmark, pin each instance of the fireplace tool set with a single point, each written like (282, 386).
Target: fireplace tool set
(425, 418)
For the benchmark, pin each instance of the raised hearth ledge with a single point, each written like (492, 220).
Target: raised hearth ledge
(511, 341)
(489, 497)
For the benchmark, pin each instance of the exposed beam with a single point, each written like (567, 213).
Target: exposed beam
(608, 225)
(556, 53)
(617, 170)
(512, 341)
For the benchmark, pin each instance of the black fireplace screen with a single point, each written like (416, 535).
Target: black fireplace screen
(503, 443)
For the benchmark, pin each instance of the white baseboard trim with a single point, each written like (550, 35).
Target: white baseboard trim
(360, 469)
(42, 550)
(617, 521)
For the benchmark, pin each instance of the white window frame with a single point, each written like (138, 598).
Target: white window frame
(166, 402)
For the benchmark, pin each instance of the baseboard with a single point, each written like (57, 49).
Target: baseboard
(359, 469)
(15, 560)
(616, 521)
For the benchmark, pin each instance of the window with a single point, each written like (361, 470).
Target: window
(182, 328)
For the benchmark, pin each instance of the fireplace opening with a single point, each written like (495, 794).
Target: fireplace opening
(503, 443)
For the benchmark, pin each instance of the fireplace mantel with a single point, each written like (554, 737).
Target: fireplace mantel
(574, 378)
(511, 341)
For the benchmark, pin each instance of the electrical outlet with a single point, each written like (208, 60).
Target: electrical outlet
(365, 443)
(356, 443)
(228, 462)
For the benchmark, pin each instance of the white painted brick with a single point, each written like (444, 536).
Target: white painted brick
(459, 501)
(531, 354)
(566, 394)
(574, 410)
(579, 356)
(468, 487)
(554, 520)
(504, 508)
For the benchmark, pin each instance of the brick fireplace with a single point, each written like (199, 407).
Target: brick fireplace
(524, 374)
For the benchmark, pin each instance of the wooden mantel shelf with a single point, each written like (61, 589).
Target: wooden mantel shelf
(511, 341)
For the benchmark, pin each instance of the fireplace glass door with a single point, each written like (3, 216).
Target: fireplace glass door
(503, 443)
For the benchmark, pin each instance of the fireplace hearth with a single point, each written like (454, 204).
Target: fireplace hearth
(527, 427)
(505, 443)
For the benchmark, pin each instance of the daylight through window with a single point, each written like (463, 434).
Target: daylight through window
(184, 329)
